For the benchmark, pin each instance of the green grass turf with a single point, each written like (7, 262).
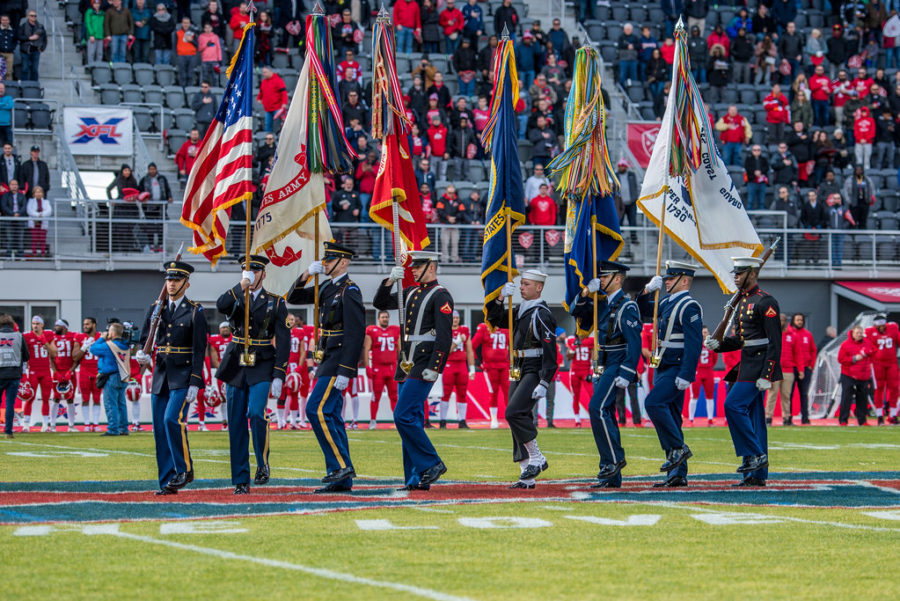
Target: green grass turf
(802, 553)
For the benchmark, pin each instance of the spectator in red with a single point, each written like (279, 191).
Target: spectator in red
(272, 95)
(777, 114)
(427, 203)
(667, 51)
(718, 36)
(735, 133)
(240, 16)
(804, 359)
(437, 141)
(786, 386)
(482, 114)
(443, 93)
(820, 87)
(453, 22)
(542, 208)
(365, 178)
(187, 154)
(407, 24)
(349, 64)
(864, 136)
(862, 83)
(885, 338)
(855, 357)
(841, 92)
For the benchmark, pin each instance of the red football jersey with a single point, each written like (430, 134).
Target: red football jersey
(385, 342)
(38, 356)
(65, 349)
(707, 360)
(135, 368)
(309, 335)
(220, 343)
(88, 363)
(580, 352)
(298, 335)
(459, 353)
(494, 346)
(886, 343)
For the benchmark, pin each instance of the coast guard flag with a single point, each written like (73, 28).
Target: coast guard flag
(223, 173)
(704, 212)
(506, 193)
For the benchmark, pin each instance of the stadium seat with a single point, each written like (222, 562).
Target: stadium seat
(143, 118)
(614, 31)
(620, 14)
(365, 64)
(639, 16)
(816, 20)
(12, 89)
(297, 61)
(887, 220)
(603, 12)
(184, 119)
(31, 89)
(477, 171)
(525, 149)
(41, 117)
(887, 250)
(174, 97)
(749, 97)
(144, 74)
(73, 14)
(647, 113)
(658, 16)
(608, 53)
(290, 81)
(729, 95)
(864, 247)
(597, 32)
(165, 75)
(890, 201)
(175, 139)
(132, 93)
(154, 95)
(100, 73)
(20, 115)
(122, 73)
(110, 93)
(280, 60)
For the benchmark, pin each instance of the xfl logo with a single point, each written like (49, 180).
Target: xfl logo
(91, 130)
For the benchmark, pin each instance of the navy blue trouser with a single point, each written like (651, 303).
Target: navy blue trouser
(602, 410)
(325, 412)
(9, 388)
(745, 409)
(418, 452)
(663, 406)
(242, 403)
(173, 455)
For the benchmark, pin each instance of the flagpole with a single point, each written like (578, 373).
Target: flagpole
(595, 355)
(247, 358)
(654, 358)
(398, 261)
(513, 371)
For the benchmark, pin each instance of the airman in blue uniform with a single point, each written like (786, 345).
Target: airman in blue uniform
(679, 335)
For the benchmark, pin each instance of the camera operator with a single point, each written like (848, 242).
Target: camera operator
(13, 356)
(113, 368)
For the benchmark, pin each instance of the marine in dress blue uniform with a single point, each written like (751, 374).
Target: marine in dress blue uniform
(342, 325)
(180, 349)
(619, 350)
(679, 334)
(247, 387)
(757, 334)
(425, 346)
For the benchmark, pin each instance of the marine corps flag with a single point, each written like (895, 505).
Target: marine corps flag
(311, 142)
(506, 203)
(687, 190)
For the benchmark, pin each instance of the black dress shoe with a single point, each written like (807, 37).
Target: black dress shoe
(242, 489)
(610, 469)
(768, 421)
(606, 484)
(443, 424)
(530, 472)
(676, 457)
(165, 491)
(550, 425)
(751, 481)
(787, 422)
(108, 434)
(334, 487)
(431, 475)
(262, 475)
(522, 485)
(338, 475)
(462, 425)
(673, 482)
(753, 463)
(804, 421)
(428, 425)
(181, 480)
(419, 486)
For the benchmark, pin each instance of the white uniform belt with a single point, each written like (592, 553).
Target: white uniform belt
(757, 342)
(530, 352)
(669, 344)
(421, 338)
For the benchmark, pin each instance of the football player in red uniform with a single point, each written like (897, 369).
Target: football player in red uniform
(66, 343)
(136, 391)
(704, 379)
(382, 343)
(494, 363)
(41, 352)
(885, 337)
(459, 370)
(87, 375)
(216, 348)
(288, 406)
(580, 372)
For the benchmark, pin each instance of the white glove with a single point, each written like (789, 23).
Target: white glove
(312, 373)
(341, 382)
(681, 384)
(275, 388)
(249, 276)
(540, 391)
(458, 341)
(471, 371)
(142, 358)
(711, 343)
(429, 375)
(621, 382)
(397, 274)
(362, 371)
(655, 283)
(191, 395)
(593, 286)
(508, 289)
(763, 384)
(315, 268)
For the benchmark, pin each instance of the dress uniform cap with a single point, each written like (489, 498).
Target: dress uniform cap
(423, 256)
(677, 268)
(333, 250)
(257, 262)
(535, 275)
(745, 263)
(607, 267)
(178, 270)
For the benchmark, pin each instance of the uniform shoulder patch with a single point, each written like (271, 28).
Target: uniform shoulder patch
(447, 309)
(771, 312)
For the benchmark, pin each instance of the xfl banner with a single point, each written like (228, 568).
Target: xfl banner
(641, 138)
(99, 130)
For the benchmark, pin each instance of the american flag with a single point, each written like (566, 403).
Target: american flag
(222, 175)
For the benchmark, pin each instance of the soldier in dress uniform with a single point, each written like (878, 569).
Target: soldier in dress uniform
(427, 336)
(177, 376)
(757, 334)
(342, 329)
(534, 348)
(249, 383)
(679, 340)
(619, 347)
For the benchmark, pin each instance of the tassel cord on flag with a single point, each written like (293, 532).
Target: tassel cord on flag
(316, 292)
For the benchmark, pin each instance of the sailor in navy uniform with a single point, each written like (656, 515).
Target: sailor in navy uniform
(757, 334)
(618, 338)
(426, 340)
(535, 351)
(180, 347)
(248, 387)
(342, 325)
(679, 335)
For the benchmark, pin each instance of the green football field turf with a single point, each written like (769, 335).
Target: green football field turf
(81, 522)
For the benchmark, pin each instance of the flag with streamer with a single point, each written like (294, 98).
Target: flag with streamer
(311, 143)
(587, 181)
(506, 194)
(222, 175)
(688, 180)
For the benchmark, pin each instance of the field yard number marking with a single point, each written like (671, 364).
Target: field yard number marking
(51, 454)
(204, 527)
(632, 520)
(734, 519)
(504, 522)
(210, 527)
(387, 525)
(883, 515)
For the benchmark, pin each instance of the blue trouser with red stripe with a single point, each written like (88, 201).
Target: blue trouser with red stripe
(418, 452)
(745, 409)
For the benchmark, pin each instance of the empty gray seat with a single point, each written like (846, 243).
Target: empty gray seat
(175, 139)
(184, 119)
(30, 89)
(110, 93)
(280, 60)
(165, 75)
(154, 95)
(887, 250)
(122, 73)
(174, 97)
(100, 73)
(144, 74)
(132, 93)
(142, 118)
